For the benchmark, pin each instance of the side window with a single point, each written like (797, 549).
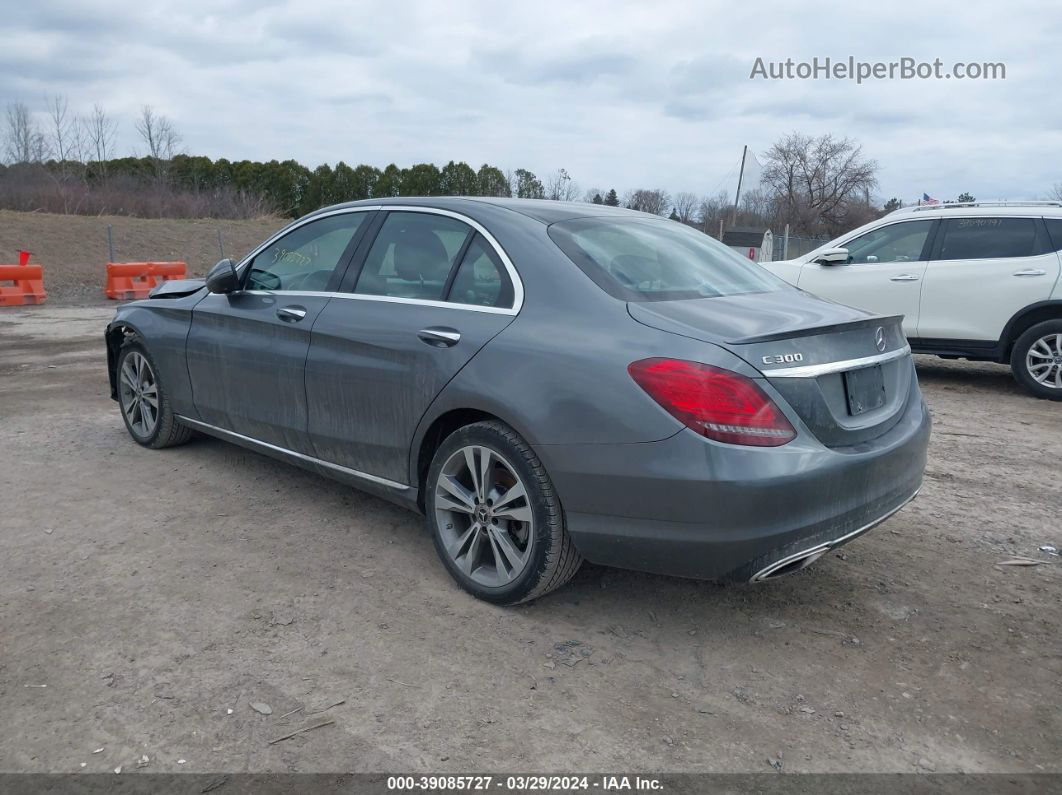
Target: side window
(988, 238)
(305, 258)
(481, 278)
(902, 242)
(1054, 229)
(412, 256)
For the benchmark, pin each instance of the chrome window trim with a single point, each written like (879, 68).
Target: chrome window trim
(815, 370)
(214, 429)
(514, 275)
(493, 310)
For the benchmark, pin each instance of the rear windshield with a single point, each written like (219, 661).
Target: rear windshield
(647, 260)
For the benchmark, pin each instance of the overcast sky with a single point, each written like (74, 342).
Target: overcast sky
(624, 95)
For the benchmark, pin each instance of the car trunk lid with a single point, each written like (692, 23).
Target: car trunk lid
(845, 372)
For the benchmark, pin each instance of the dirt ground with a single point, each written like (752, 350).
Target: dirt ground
(149, 598)
(73, 248)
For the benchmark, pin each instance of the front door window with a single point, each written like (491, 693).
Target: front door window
(307, 258)
(901, 242)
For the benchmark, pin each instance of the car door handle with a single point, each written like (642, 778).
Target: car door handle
(291, 314)
(904, 277)
(439, 337)
(1031, 272)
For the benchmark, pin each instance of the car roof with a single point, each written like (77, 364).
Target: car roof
(545, 211)
(1051, 209)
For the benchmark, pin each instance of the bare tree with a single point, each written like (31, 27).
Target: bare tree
(63, 128)
(24, 142)
(1056, 192)
(100, 131)
(158, 133)
(655, 201)
(561, 187)
(78, 148)
(686, 207)
(711, 210)
(818, 181)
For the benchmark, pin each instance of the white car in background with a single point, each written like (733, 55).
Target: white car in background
(976, 280)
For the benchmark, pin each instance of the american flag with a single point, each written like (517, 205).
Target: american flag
(927, 199)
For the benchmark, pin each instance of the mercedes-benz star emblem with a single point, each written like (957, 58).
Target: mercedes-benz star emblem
(879, 339)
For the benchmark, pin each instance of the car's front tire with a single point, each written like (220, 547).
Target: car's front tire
(143, 400)
(1036, 360)
(494, 517)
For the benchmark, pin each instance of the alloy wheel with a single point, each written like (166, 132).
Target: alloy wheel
(1044, 361)
(139, 394)
(484, 516)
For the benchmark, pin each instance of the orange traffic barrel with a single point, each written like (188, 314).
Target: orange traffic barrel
(129, 280)
(28, 287)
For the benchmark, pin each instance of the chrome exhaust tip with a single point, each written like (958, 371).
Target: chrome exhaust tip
(801, 560)
(791, 564)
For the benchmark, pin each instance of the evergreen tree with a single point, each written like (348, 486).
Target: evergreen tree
(458, 179)
(528, 186)
(611, 199)
(492, 182)
(389, 183)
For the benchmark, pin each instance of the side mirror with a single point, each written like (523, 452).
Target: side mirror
(833, 256)
(222, 277)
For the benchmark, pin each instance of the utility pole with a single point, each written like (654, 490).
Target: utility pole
(741, 174)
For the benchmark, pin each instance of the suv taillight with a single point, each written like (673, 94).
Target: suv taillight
(717, 403)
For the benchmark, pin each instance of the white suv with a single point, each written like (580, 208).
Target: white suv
(977, 280)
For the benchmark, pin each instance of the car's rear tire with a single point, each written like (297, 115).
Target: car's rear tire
(143, 400)
(1036, 360)
(495, 518)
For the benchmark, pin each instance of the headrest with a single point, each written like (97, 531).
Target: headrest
(420, 255)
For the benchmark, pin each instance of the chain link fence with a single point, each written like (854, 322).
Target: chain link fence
(797, 246)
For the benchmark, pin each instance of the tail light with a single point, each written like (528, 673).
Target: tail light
(716, 403)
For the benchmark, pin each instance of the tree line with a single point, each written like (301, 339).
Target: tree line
(62, 162)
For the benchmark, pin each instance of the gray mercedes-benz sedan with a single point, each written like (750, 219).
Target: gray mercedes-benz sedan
(547, 382)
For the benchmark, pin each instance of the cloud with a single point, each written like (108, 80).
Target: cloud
(619, 94)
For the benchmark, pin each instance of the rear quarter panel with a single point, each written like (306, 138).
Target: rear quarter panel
(559, 376)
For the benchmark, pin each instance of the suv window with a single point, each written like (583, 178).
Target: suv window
(646, 260)
(307, 257)
(902, 242)
(481, 278)
(988, 238)
(412, 256)
(1054, 229)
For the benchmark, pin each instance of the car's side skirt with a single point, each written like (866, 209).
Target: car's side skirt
(399, 492)
(975, 350)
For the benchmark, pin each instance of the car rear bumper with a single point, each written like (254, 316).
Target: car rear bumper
(690, 507)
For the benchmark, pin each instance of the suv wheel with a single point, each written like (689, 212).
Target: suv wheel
(496, 522)
(1036, 360)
